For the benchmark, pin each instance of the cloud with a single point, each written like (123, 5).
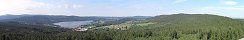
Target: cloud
(179, 1)
(17, 6)
(60, 6)
(235, 12)
(56, 9)
(33, 7)
(229, 2)
(11, 5)
(233, 9)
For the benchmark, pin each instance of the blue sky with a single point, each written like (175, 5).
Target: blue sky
(230, 8)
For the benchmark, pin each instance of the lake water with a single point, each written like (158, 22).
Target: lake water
(72, 24)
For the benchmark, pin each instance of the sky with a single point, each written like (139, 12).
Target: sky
(230, 8)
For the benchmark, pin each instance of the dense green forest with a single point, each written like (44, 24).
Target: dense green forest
(47, 19)
(163, 27)
(241, 19)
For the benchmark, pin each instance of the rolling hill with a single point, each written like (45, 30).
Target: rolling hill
(163, 27)
(185, 27)
(195, 27)
(47, 19)
(9, 16)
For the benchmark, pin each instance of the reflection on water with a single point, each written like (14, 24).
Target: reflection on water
(72, 24)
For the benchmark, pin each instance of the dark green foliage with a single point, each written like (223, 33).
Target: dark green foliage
(166, 27)
(47, 19)
(202, 26)
(107, 22)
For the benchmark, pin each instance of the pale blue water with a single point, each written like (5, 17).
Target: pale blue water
(72, 24)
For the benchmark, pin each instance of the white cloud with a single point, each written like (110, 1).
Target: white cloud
(229, 2)
(33, 7)
(17, 6)
(233, 9)
(61, 6)
(235, 12)
(179, 1)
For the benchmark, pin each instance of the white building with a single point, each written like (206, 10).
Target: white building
(80, 29)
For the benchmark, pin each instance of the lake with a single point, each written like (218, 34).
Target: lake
(72, 24)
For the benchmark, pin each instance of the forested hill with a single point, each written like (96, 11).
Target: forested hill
(22, 29)
(3, 17)
(195, 27)
(240, 19)
(164, 27)
(181, 27)
(47, 19)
